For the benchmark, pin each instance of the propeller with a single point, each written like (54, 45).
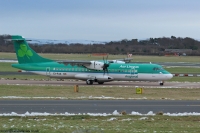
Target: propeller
(105, 65)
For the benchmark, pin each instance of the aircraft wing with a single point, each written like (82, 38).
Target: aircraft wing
(95, 65)
(75, 62)
(87, 63)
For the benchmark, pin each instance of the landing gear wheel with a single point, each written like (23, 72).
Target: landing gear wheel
(100, 82)
(89, 82)
(161, 83)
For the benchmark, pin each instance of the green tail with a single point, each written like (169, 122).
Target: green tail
(24, 53)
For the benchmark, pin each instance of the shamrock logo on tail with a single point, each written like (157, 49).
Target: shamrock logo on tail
(24, 51)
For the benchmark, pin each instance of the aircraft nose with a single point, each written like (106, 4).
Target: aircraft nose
(169, 76)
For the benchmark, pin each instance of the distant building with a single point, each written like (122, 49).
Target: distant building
(177, 52)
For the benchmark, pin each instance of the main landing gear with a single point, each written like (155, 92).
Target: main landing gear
(161, 83)
(89, 82)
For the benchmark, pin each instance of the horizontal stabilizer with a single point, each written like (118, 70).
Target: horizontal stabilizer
(21, 39)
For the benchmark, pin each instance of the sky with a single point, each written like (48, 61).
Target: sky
(100, 20)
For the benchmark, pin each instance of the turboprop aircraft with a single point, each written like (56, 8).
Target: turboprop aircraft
(89, 71)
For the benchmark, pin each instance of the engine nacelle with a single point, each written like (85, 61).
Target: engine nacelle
(95, 65)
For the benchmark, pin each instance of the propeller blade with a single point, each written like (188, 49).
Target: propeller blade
(106, 71)
(105, 65)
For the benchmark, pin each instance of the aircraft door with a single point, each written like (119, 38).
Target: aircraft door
(133, 73)
(48, 71)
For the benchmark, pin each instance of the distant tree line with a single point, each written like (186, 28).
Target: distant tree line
(151, 46)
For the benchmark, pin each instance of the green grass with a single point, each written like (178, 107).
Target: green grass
(25, 77)
(7, 55)
(136, 58)
(6, 67)
(192, 59)
(183, 70)
(184, 79)
(96, 92)
(97, 124)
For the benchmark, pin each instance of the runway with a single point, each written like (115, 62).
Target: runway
(114, 83)
(98, 106)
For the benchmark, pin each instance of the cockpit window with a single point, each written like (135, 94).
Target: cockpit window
(157, 68)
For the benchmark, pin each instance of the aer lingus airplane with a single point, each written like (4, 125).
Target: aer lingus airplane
(89, 71)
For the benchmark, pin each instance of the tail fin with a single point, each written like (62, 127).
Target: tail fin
(24, 53)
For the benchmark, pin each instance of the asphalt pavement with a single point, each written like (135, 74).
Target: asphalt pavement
(98, 106)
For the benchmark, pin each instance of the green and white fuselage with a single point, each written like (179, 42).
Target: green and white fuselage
(135, 72)
(90, 71)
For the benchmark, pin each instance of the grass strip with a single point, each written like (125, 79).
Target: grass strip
(136, 58)
(96, 92)
(101, 124)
